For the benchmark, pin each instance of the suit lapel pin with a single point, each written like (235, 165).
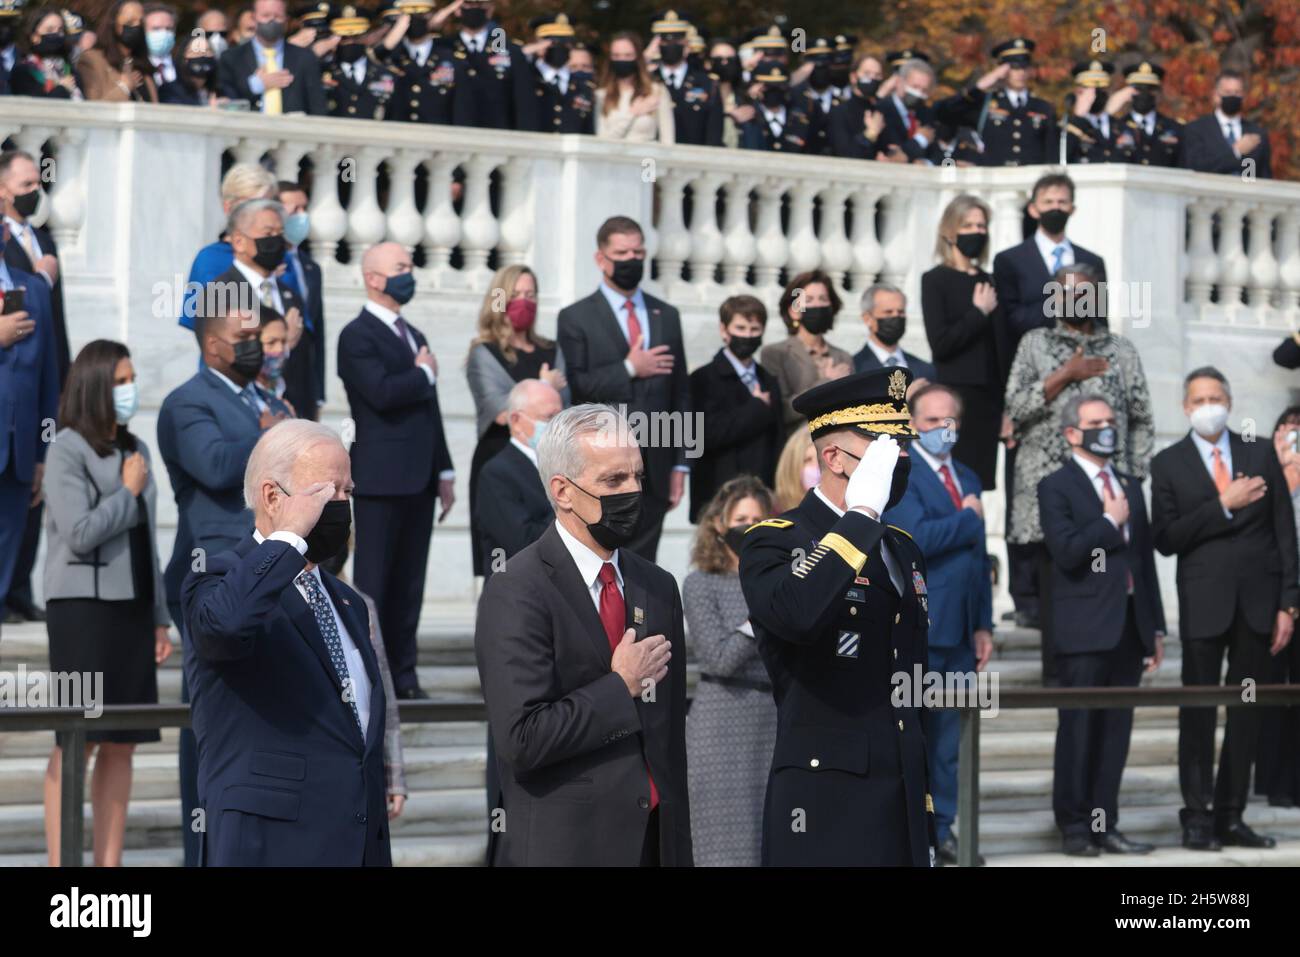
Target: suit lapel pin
(638, 616)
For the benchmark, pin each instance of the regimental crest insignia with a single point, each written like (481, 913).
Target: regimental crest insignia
(897, 386)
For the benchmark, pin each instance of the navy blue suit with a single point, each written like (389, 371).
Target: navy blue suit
(205, 435)
(865, 360)
(29, 396)
(279, 748)
(399, 451)
(1020, 277)
(961, 602)
(313, 314)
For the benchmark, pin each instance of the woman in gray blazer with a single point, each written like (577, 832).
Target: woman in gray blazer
(731, 727)
(506, 350)
(106, 610)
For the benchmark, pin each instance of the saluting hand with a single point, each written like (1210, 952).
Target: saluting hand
(300, 513)
(870, 482)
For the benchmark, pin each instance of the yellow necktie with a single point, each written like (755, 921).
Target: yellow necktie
(271, 102)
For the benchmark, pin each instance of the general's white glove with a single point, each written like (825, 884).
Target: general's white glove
(870, 482)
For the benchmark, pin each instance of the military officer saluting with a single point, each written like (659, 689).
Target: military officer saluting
(356, 84)
(767, 129)
(493, 78)
(1016, 128)
(566, 101)
(1156, 139)
(1091, 133)
(838, 604)
(697, 103)
(422, 64)
(811, 103)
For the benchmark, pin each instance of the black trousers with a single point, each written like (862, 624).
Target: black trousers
(187, 761)
(1248, 657)
(392, 554)
(1277, 774)
(650, 846)
(1051, 659)
(1092, 745)
(20, 586)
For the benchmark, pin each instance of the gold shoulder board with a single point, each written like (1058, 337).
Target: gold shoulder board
(770, 523)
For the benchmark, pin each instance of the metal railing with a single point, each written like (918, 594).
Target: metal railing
(71, 725)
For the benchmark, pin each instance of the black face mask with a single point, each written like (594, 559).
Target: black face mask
(774, 97)
(52, 44)
(270, 31)
(418, 29)
(132, 37)
(898, 484)
(670, 54)
(1230, 105)
(868, 88)
(971, 245)
(817, 319)
(623, 68)
(1098, 102)
(1099, 441)
(248, 358)
(26, 203)
(820, 78)
(1144, 103)
(270, 252)
(1054, 220)
(840, 74)
(628, 273)
(473, 18)
(727, 69)
(331, 531)
(350, 52)
(742, 347)
(201, 67)
(890, 329)
(619, 514)
(557, 55)
(734, 538)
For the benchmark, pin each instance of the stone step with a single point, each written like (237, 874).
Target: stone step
(1013, 639)
(1035, 749)
(1028, 672)
(1017, 720)
(1286, 854)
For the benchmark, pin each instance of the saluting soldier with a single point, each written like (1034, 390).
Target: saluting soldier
(811, 103)
(493, 79)
(356, 85)
(1015, 127)
(1157, 139)
(839, 606)
(767, 129)
(697, 102)
(315, 16)
(566, 101)
(842, 65)
(423, 67)
(1091, 133)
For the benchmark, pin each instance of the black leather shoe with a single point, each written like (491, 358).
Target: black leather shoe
(413, 694)
(1026, 619)
(1114, 842)
(1198, 837)
(1280, 800)
(1008, 616)
(1079, 845)
(1239, 834)
(13, 617)
(948, 853)
(25, 608)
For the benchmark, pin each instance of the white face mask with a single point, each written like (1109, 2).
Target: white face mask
(126, 400)
(1209, 420)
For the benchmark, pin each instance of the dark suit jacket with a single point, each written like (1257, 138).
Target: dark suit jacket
(594, 349)
(1090, 598)
(1020, 277)
(742, 433)
(1287, 353)
(511, 507)
(895, 132)
(313, 300)
(866, 360)
(846, 128)
(205, 435)
(16, 258)
(304, 95)
(1244, 565)
(572, 745)
(400, 445)
(1207, 151)
(279, 750)
(29, 382)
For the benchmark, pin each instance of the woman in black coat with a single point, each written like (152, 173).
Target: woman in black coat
(44, 66)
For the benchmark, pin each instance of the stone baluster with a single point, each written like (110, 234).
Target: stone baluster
(1263, 281)
(405, 224)
(1288, 255)
(1233, 265)
(674, 240)
(288, 157)
(739, 246)
(66, 202)
(481, 231)
(837, 253)
(516, 212)
(895, 237)
(706, 239)
(329, 221)
(1202, 260)
(805, 250)
(868, 256)
(250, 149)
(442, 227)
(367, 223)
(771, 247)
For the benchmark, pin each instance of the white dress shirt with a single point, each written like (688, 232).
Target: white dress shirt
(163, 68)
(24, 233)
(589, 564)
(1147, 121)
(1206, 449)
(742, 368)
(6, 280)
(356, 70)
(618, 302)
(419, 52)
(936, 463)
(476, 42)
(389, 318)
(1047, 249)
(361, 688)
(526, 449)
(882, 353)
(674, 76)
(551, 75)
(1227, 123)
(256, 280)
(775, 120)
(895, 573)
(1101, 121)
(1094, 473)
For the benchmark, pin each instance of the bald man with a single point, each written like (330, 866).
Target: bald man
(400, 461)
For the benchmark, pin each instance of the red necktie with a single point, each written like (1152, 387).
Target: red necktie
(633, 324)
(613, 615)
(1110, 491)
(911, 124)
(950, 485)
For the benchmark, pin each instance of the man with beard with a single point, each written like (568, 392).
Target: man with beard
(839, 605)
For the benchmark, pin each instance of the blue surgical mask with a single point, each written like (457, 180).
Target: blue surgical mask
(273, 366)
(126, 399)
(938, 441)
(401, 287)
(160, 42)
(539, 429)
(296, 228)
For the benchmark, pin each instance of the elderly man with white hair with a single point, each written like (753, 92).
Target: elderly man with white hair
(581, 653)
(285, 689)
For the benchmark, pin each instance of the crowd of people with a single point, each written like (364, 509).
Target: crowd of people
(408, 61)
(855, 465)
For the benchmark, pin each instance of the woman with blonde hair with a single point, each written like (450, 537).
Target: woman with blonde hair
(967, 331)
(629, 106)
(506, 350)
(797, 470)
(731, 727)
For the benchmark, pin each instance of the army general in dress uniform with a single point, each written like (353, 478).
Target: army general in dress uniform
(356, 84)
(838, 604)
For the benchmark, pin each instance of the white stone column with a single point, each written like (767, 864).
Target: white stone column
(868, 256)
(442, 227)
(517, 231)
(772, 248)
(1288, 254)
(66, 202)
(367, 223)
(1233, 265)
(329, 221)
(1263, 281)
(674, 240)
(837, 253)
(480, 230)
(706, 239)
(805, 252)
(405, 224)
(739, 247)
(1202, 260)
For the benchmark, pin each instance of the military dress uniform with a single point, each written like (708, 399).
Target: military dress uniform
(1163, 145)
(566, 101)
(357, 87)
(422, 91)
(808, 129)
(1016, 129)
(492, 85)
(1095, 138)
(849, 783)
(697, 98)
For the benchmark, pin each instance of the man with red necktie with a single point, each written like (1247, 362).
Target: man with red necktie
(941, 510)
(623, 347)
(582, 658)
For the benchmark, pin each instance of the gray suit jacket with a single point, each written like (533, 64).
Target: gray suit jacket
(89, 514)
(490, 384)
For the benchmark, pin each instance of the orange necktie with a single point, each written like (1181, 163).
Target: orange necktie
(1221, 477)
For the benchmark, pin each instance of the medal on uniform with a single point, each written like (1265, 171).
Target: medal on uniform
(862, 580)
(638, 616)
(918, 583)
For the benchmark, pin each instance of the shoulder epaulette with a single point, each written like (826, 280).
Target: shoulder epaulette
(770, 523)
(903, 530)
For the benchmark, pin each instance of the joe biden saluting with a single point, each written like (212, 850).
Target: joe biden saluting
(582, 656)
(287, 703)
